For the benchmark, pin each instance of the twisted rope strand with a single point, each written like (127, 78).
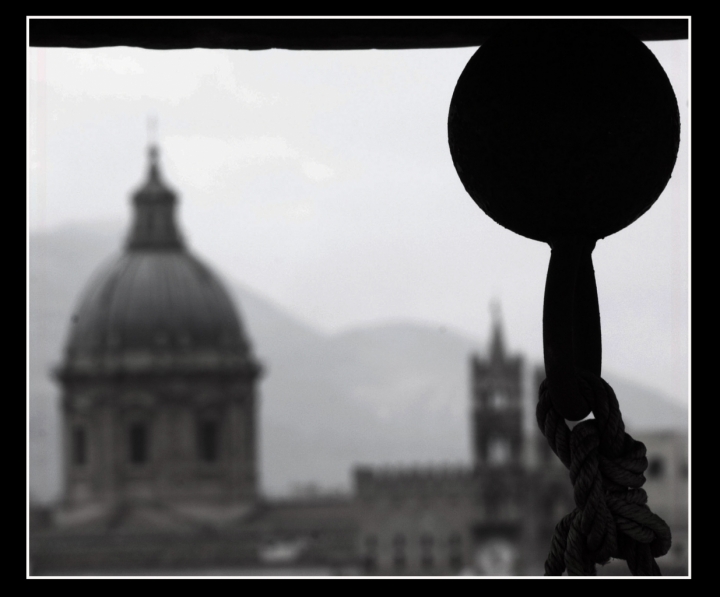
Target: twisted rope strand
(606, 467)
(555, 563)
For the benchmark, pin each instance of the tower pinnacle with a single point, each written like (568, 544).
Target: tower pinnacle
(497, 343)
(152, 129)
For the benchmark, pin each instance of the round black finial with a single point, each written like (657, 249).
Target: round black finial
(564, 127)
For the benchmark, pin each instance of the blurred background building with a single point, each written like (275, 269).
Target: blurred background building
(160, 434)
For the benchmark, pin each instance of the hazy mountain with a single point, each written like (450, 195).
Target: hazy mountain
(397, 392)
(61, 262)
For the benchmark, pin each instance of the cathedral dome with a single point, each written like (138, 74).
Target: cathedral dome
(156, 307)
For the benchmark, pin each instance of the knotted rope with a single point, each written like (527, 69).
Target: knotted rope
(611, 518)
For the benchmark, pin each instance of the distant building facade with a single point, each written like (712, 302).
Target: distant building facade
(415, 521)
(494, 517)
(159, 405)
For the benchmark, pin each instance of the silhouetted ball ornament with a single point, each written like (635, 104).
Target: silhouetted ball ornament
(564, 127)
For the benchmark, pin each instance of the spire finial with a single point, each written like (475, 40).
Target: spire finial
(497, 344)
(495, 311)
(153, 151)
(152, 129)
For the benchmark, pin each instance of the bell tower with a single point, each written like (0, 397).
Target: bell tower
(497, 419)
(497, 402)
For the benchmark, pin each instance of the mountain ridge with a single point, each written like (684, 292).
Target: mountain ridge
(387, 393)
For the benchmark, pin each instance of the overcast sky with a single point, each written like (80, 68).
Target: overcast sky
(323, 180)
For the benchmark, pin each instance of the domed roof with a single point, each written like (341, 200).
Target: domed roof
(156, 307)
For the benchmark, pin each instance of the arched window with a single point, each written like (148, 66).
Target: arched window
(499, 451)
(139, 443)
(427, 559)
(371, 549)
(79, 446)
(207, 440)
(656, 468)
(499, 400)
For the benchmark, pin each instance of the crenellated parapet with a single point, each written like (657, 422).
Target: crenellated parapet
(398, 482)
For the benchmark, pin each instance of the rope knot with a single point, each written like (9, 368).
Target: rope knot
(606, 467)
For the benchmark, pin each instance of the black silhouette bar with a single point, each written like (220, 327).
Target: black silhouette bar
(297, 34)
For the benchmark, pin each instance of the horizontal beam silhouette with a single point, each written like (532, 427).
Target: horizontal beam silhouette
(297, 34)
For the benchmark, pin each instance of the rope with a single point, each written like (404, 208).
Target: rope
(606, 465)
